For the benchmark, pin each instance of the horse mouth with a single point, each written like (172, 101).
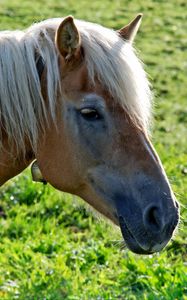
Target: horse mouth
(130, 240)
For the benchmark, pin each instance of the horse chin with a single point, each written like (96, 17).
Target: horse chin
(130, 240)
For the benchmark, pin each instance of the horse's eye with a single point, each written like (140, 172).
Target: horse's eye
(90, 114)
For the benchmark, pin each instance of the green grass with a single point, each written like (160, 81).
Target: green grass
(51, 247)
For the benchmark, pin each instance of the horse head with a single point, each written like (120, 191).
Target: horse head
(98, 147)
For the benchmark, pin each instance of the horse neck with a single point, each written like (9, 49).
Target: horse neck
(12, 161)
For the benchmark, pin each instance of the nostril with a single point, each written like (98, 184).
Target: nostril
(152, 219)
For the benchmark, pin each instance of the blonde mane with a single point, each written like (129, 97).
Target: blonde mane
(22, 109)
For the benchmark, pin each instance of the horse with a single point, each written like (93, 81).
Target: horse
(75, 98)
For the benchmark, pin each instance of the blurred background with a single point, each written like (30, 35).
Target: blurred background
(51, 246)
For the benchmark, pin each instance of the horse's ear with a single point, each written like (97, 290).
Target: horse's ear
(67, 38)
(129, 31)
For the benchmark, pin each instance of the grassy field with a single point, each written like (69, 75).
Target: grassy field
(51, 247)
